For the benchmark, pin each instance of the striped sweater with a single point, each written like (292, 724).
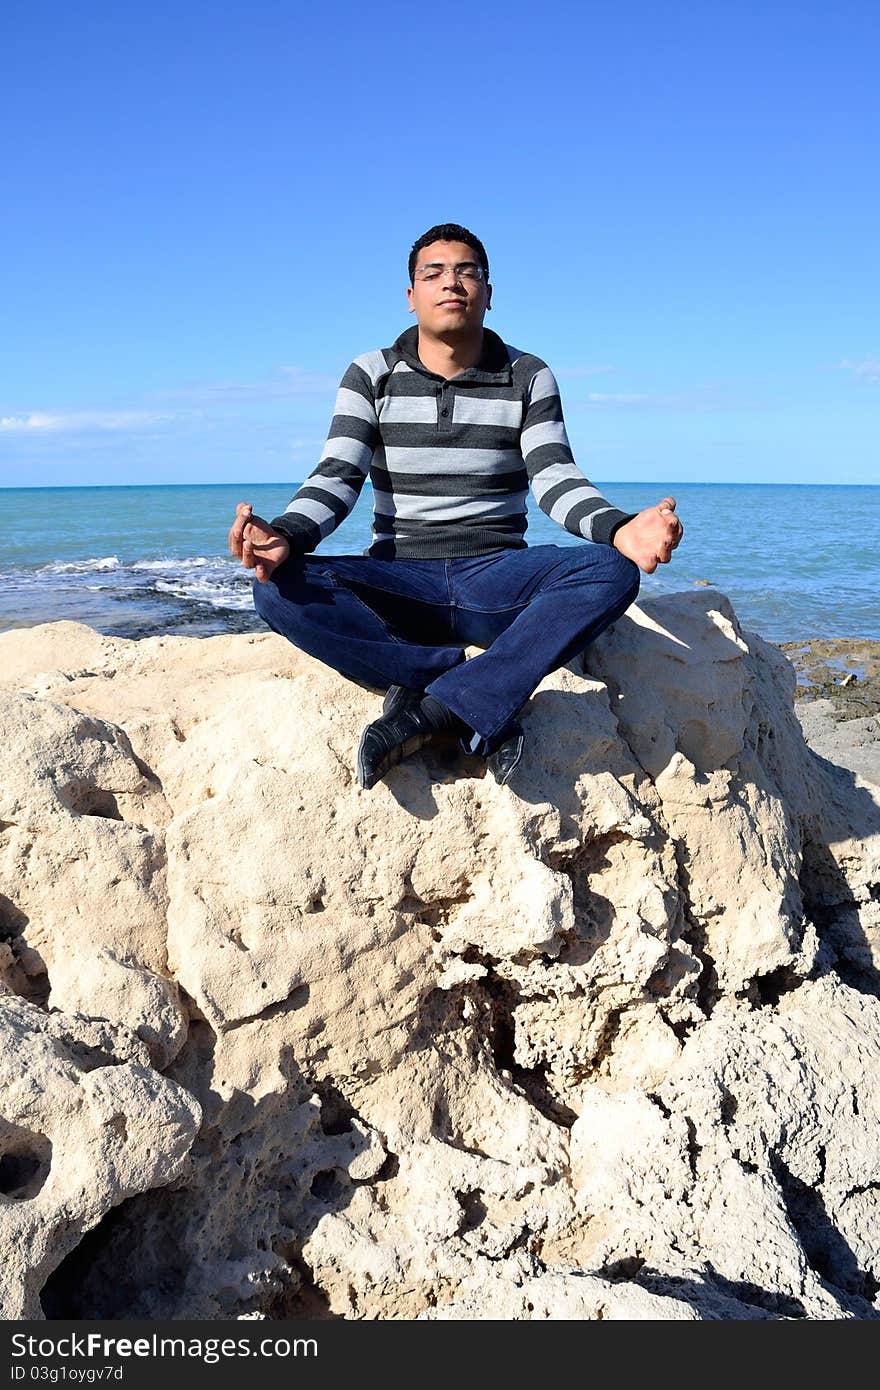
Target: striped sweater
(450, 461)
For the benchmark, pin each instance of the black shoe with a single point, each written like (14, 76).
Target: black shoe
(505, 760)
(393, 737)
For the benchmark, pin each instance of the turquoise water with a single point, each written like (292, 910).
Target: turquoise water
(797, 562)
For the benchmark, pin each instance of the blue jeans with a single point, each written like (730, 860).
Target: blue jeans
(405, 622)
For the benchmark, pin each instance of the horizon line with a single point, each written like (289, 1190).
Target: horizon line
(292, 482)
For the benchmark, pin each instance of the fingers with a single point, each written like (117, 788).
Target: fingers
(650, 537)
(666, 547)
(243, 513)
(247, 549)
(663, 548)
(664, 551)
(673, 532)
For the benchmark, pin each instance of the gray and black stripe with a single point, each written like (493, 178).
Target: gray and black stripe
(450, 462)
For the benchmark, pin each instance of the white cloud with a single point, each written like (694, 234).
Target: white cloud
(573, 372)
(175, 407)
(75, 421)
(302, 383)
(868, 369)
(25, 422)
(696, 399)
(620, 398)
(281, 385)
(307, 443)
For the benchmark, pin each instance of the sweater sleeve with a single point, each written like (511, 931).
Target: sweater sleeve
(331, 490)
(561, 489)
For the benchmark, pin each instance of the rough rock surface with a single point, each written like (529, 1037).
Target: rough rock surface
(598, 1044)
(852, 743)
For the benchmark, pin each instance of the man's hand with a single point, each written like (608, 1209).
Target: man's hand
(650, 538)
(255, 543)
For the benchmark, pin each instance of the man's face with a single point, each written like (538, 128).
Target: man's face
(448, 301)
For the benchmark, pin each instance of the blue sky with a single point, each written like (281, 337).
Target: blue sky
(208, 209)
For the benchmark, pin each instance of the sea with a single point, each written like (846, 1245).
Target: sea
(797, 562)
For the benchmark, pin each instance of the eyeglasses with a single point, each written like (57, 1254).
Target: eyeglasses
(466, 270)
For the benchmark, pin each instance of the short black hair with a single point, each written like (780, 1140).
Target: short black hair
(448, 231)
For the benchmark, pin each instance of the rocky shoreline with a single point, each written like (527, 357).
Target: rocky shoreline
(838, 700)
(846, 671)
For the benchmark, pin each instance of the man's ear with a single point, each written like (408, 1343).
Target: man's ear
(488, 296)
(409, 299)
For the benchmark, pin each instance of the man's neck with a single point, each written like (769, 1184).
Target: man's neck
(449, 356)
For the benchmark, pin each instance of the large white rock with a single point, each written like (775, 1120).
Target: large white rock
(598, 1044)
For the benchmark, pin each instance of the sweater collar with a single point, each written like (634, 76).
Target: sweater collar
(494, 364)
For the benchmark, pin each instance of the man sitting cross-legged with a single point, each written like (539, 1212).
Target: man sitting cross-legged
(451, 425)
